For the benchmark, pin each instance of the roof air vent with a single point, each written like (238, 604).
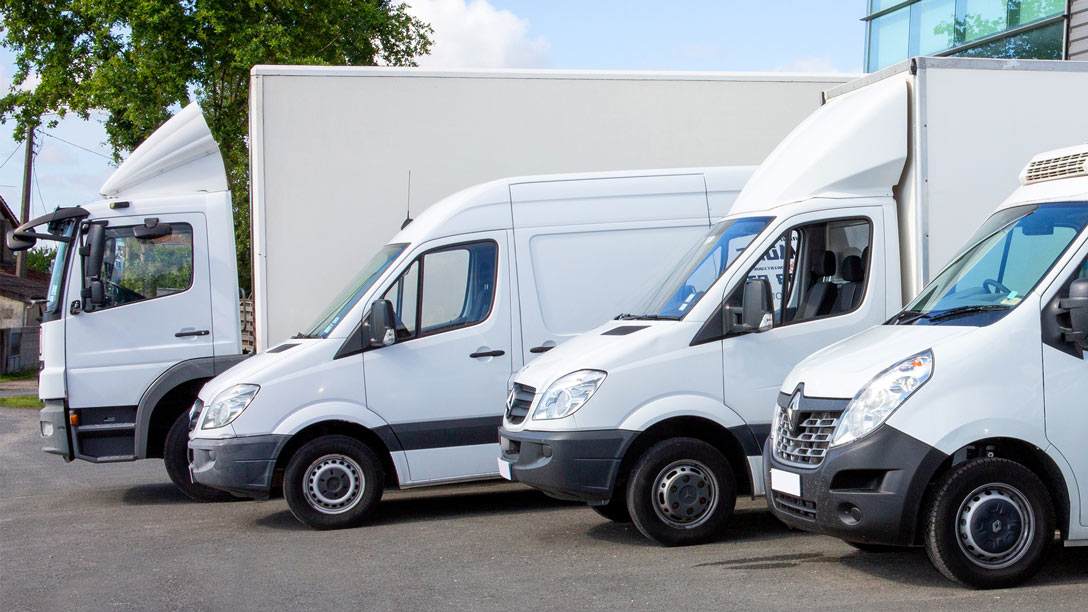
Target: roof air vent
(1048, 168)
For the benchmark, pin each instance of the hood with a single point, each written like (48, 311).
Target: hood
(268, 365)
(611, 344)
(842, 369)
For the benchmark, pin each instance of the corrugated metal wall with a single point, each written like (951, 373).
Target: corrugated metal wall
(1078, 30)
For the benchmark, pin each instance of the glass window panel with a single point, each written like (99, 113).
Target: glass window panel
(984, 17)
(933, 26)
(888, 39)
(879, 5)
(135, 269)
(458, 286)
(403, 294)
(1040, 43)
(1032, 10)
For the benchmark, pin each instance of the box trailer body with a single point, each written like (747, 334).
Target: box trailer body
(332, 149)
(846, 219)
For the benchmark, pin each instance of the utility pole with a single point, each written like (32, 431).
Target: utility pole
(28, 171)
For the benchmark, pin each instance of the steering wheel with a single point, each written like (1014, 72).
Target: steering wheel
(998, 287)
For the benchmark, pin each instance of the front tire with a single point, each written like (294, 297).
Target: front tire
(989, 524)
(175, 455)
(682, 492)
(333, 482)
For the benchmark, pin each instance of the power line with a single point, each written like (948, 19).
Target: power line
(75, 145)
(9, 155)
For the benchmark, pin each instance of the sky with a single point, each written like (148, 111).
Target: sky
(699, 35)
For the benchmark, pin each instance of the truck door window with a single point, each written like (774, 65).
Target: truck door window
(134, 270)
(458, 286)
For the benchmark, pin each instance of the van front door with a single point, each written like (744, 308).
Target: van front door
(157, 312)
(441, 385)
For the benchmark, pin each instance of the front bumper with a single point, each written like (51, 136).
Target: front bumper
(54, 429)
(243, 466)
(870, 491)
(573, 465)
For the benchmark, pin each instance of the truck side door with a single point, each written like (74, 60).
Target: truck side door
(157, 312)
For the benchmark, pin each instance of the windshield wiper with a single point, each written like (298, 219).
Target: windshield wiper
(624, 316)
(300, 336)
(644, 317)
(965, 310)
(902, 317)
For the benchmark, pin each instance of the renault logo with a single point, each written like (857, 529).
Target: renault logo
(793, 414)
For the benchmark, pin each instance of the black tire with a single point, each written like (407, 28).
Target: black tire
(667, 492)
(616, 509)
(314, 483)
(175, 454)
(878, 548)
(982, 492)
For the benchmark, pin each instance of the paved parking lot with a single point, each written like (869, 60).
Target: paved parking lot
(119, 537)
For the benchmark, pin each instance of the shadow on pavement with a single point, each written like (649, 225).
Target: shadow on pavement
(746, 525)
(154, 495)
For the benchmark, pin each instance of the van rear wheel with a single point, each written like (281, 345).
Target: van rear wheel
(333, 482)
(682, 492)
(175, 455)
(989, 524)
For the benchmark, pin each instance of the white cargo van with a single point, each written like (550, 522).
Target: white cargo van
(400, 382)
(958, 424)
(661, 417)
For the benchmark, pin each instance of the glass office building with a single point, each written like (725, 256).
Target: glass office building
(1027, 29)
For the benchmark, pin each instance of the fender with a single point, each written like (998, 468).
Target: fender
(682, 405)
(178, 374)
(1077, 528)
(978, 429)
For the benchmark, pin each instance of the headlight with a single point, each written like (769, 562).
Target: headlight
(228, 405)
(568, 394)
(884, 393)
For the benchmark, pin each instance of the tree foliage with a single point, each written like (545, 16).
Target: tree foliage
(138, 61)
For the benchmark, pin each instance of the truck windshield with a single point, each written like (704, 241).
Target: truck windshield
(700, 268)
(60, 259)
(1002, 263)
(339, 307)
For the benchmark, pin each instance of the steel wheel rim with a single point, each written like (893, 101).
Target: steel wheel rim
(333, 484)
(995, 526)
(685, 494)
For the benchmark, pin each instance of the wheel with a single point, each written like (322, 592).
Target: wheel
(615, 510)
(333, 482)
(877, 548)
(681, 492)
(989, 524)
(175, 454)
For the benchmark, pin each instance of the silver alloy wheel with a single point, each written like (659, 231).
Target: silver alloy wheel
(995, 526)
(685, 494)
(334, 484)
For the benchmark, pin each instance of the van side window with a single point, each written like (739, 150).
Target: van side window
(815, 270)
(404, 294)
(134, 270)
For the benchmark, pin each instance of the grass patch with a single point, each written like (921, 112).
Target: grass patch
(21, 401)
(24, 375)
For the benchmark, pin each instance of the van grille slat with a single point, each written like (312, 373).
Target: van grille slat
(517, 405)
(807, 445)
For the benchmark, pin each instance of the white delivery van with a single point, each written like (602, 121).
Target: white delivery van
(958, 424)
(661, 417)
(400, 382)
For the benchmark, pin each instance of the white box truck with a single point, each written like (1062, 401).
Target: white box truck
(330, 152)
(662, 417)
(958, 424)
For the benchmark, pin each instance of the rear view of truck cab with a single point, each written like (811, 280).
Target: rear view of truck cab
(958, 424)
(142, 303)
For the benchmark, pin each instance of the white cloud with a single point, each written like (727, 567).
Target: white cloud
(475, 34)
(810, 64)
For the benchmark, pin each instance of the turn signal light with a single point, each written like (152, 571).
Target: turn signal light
(74, 419)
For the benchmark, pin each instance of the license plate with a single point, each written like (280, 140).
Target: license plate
(504, 469)
(786, 482)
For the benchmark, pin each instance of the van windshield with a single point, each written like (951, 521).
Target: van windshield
(346, 299)
(1002, 263)
(700, 268)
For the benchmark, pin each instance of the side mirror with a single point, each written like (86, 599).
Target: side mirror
(94, 295)
(93, 250)
(1077, 305)
(383, 324)
(151, 229)
(756, 314)
(18, 243)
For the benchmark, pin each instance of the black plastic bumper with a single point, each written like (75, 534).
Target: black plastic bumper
(574, 465)
(870, 491)
(53, 423)
(242, 466)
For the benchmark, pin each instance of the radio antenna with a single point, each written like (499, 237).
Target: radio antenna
(408, 206)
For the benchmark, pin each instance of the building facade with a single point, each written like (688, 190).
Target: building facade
(1026, 29)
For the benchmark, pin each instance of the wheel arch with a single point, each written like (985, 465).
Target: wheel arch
(382, 442)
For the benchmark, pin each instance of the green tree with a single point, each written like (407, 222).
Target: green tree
(141, 60)
(41, 258)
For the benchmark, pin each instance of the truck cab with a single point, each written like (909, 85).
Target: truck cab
(958, 424)
(142, 305)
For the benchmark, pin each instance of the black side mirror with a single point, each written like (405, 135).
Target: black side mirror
(151, 229)
(1077, 305)
(383, 322)
(756, 313)
(17, 243)
(94, 294)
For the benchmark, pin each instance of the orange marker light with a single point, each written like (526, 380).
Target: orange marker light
(917, 362)
(74, 419)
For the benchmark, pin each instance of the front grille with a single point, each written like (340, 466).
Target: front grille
(194, 414)
(796, 506)
(517, 405)
(807, 445)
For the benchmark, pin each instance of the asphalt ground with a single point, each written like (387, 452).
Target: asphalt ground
(90, 537)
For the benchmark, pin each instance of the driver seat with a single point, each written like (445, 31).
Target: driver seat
(821, 295)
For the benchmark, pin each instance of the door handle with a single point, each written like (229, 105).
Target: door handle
(199, 332)
(541, 349)
(487, 354)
